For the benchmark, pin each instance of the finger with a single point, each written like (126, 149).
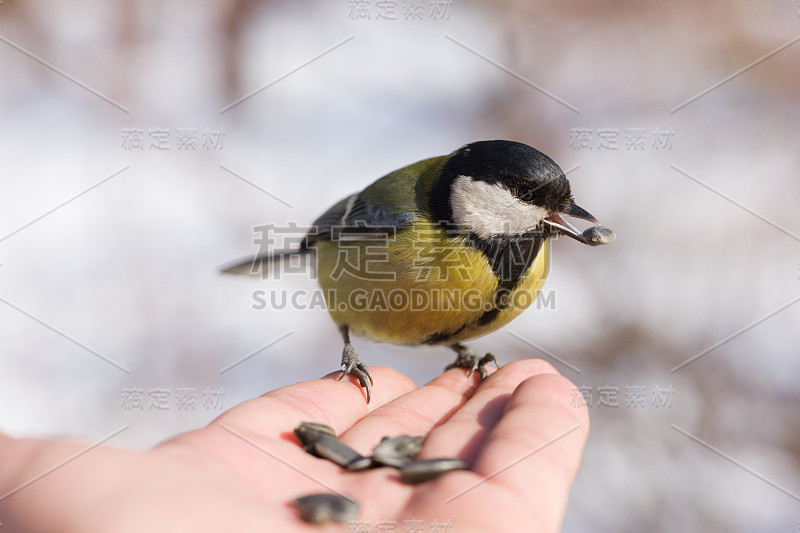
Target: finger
(338, 404)
(535, 448)
(416, 412)
(467, 429)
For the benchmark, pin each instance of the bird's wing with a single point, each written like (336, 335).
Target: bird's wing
(355, 216)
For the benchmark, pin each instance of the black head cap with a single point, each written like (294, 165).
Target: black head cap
(509, 163)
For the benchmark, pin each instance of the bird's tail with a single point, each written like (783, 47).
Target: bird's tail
(263, 265)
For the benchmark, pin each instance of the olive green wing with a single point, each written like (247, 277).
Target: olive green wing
(388, 206)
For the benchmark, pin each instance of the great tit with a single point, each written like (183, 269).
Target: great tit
(441, 251)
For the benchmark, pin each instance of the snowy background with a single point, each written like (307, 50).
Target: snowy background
(678, 118)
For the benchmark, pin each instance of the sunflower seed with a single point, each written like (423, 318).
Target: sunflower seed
(340, 453)
(597, 235)
(321, 508)
(310, 432)
(397, 451)
(424, 470)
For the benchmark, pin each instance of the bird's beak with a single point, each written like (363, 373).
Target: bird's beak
(557, 221)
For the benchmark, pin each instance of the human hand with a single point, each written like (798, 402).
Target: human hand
(517, 430)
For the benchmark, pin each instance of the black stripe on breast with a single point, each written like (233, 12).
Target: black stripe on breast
(510, 258)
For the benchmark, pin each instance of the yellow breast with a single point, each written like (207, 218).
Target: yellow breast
(419, 287)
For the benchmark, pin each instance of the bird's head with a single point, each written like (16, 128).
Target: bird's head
(494, 189)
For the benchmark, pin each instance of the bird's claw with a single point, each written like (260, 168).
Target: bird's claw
(467, 358)
(351, 364)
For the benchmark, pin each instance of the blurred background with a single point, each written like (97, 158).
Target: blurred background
(141, 142)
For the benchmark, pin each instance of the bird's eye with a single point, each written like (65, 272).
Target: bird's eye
(524, 193)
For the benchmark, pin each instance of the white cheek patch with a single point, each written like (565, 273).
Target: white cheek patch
(487, 209)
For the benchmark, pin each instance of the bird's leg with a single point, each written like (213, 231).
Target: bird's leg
(467, 358)
(351, 363)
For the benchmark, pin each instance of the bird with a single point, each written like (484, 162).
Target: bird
(439, 252)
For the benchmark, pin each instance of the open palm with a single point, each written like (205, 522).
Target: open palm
(518, 431)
